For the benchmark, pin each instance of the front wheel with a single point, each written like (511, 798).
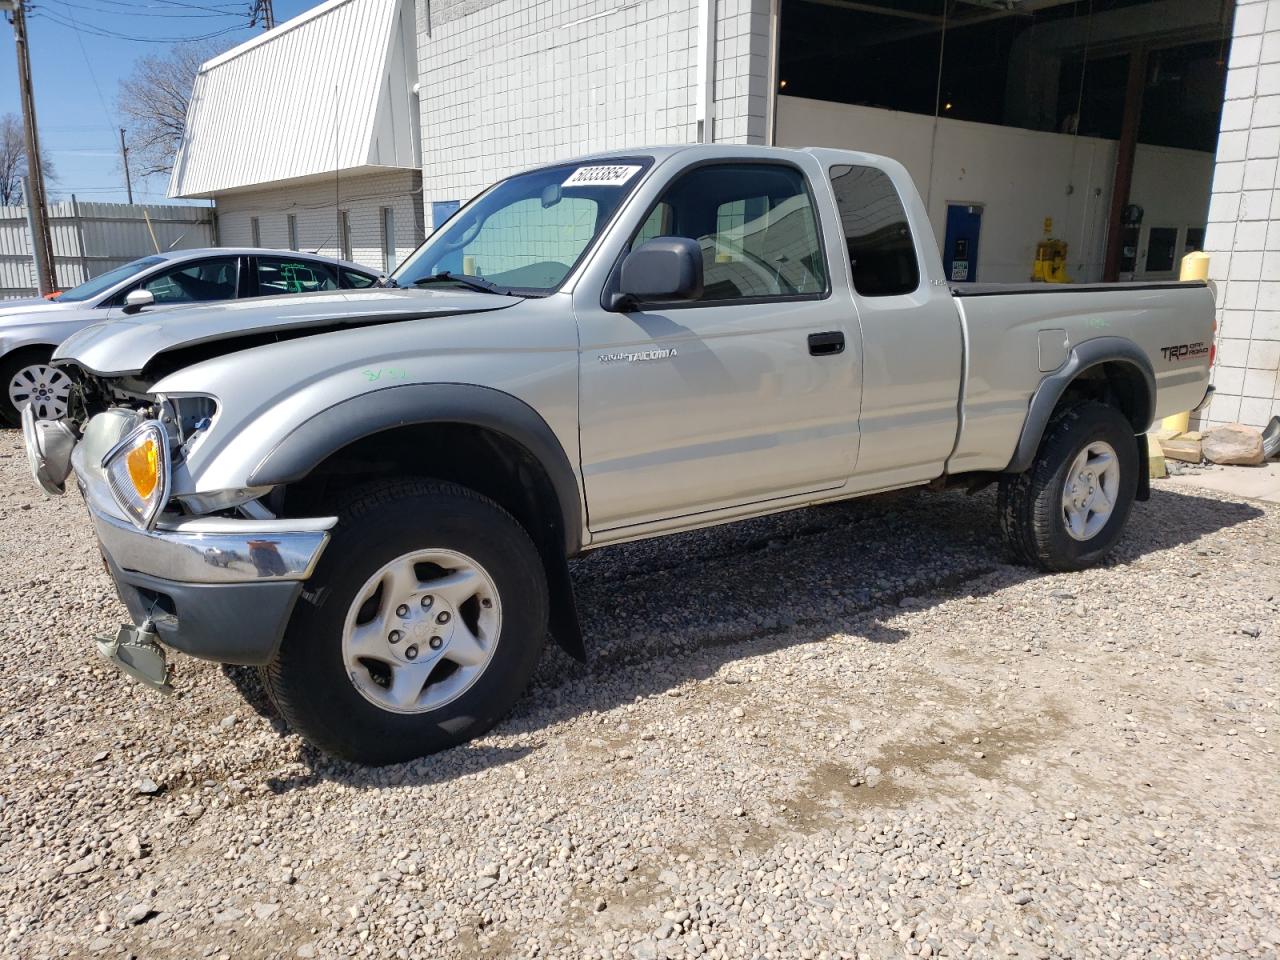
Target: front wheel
(1069, 509)
(420, 628)
(28, 378)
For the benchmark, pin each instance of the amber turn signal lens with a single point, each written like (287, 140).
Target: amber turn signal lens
(144, 467)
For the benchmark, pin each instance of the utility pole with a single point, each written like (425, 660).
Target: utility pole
(262, 13)
(124, 158)
(37, 200)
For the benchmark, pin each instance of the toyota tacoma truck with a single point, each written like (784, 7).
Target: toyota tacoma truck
(373, 495)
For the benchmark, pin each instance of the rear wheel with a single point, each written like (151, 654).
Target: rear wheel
(29, 378)
(1069, 509)
(420, 628)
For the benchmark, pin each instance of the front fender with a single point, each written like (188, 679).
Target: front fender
(331, 429)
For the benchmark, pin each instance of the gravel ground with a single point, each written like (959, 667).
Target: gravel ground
(845, 732)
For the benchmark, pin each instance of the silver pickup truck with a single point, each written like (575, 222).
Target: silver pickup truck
(373, 494)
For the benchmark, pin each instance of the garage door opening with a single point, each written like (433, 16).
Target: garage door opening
(1090, 123)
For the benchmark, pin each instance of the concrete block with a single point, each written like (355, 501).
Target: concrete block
(1156, 468)
(1182, 448)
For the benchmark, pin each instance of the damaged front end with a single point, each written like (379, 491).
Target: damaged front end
(212, 574)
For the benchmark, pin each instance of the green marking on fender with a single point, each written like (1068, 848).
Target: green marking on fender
(385, 373)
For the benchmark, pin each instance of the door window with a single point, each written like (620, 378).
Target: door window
(278, 275)
(356, 281)
(204, 280)
(757, 228)
(881, 254)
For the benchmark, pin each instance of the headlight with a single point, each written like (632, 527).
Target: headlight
(138, 472)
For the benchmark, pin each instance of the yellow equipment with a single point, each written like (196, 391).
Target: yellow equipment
(1051, 262)
(1195, 266)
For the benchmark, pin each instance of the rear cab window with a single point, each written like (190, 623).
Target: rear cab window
(882, 256)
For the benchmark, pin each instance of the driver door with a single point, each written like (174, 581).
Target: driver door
(750, 392)
(206, 280)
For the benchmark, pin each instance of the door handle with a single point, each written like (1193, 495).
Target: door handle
(826, 344)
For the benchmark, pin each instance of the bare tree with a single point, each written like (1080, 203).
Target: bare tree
(154, 100)
(13, 160)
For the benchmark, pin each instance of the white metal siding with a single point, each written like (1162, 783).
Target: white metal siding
(92, 238)
(313, 205)
(329, 89)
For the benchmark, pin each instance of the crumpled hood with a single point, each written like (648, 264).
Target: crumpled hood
(127, 344)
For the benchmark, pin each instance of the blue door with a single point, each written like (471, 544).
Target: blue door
(960, 251)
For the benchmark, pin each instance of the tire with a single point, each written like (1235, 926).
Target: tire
(28, 369)
(1041, 518)
(356, 707)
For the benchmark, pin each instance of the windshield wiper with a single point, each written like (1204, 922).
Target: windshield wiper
(471, 283)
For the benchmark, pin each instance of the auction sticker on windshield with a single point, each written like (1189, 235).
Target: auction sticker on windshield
(605, 176)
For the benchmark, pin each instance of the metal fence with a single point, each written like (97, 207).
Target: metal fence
(91, 238)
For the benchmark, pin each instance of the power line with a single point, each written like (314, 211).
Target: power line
(139, 11)
(93, 30)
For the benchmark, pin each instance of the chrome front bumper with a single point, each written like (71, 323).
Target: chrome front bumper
(202, 549)
(220, 588)
(214, 549)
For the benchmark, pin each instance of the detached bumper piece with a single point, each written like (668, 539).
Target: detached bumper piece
(134, 651)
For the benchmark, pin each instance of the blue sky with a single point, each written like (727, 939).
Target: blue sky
(76, 72)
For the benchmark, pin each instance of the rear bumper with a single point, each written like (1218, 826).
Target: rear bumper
(1204, 401)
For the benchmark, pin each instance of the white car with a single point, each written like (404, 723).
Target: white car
(30, 330)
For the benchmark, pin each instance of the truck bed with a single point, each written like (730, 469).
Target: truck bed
(1003, 289)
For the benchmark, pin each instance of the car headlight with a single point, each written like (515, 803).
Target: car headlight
(138, 472)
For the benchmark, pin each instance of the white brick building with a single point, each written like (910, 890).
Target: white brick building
(1243, 237)
(307, 137)
(508, 84)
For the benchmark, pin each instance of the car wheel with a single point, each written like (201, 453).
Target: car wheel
(29, 378)
(1069, 509)
(420, 628)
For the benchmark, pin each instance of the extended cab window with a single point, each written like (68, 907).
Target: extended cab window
(278, 275)
(756, 225)
(876, 232)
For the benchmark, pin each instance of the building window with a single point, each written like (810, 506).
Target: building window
(388, 240)
(344, 234)
(255, 231)
(293, 232)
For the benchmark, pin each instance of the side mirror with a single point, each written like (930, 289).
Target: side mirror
(665, 268)
(135, 300)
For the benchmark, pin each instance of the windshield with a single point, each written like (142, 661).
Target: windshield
(105, 281)
(524, 235)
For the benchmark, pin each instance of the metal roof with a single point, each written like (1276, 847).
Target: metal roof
(330, 89)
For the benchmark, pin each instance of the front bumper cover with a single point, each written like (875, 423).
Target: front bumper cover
(219, 588)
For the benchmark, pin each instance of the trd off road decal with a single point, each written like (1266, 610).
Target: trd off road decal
(1185, 351)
